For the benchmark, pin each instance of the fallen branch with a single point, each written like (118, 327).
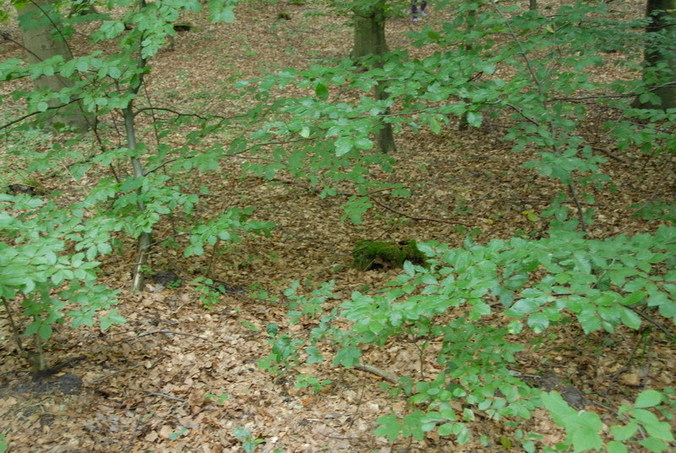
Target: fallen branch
(164, 395)
(166, 332)
(390, 377)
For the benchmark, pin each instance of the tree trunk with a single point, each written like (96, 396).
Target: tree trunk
(369, 31)
(145, 238)
(369, 41)
(662, 20)
(463, 125)
(39, 22)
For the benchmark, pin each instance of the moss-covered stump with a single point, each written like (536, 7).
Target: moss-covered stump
(383, 255)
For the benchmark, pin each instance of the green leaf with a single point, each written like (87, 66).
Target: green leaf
(389, 427)
(653, 444)
(344, 145)
(435, 126)
(82, 65)
(538, 322)
(657, 429)
(648, 398)
(348, 357)
(622, 433)
(615, 447)
(45, 331)
(629, 318)
(474, 119)
(114, 72)
(222, 13)
(112, 318)
(321, 91)
(585, 436)
(582, 428)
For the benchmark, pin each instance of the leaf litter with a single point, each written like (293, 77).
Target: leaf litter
(180, 378)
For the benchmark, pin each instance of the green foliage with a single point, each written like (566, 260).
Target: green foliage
(220, 399)
(325, 140)
(4, 445)
(306, 380)
(208, 292)
(552, 55)
(243, 434)
(178, 433)
(226, 227)
(583, 429)
(48, 267)
(383, 255)
(48, 254)
(598, 283)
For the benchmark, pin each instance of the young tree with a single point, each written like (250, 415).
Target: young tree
(48, 254)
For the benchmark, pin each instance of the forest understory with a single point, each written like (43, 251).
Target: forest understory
(182, 377)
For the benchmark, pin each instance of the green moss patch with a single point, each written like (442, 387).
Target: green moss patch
(383, 255)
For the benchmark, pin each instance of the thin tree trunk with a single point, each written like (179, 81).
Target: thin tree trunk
(144, 239)
(42, 40)
(463, 125)
(369, 41)
(662, 17)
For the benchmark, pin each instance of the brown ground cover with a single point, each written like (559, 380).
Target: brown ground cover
(155, 383)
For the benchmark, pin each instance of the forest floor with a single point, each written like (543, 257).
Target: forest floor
(178, 377)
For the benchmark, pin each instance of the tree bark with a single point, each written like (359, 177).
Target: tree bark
(662, 25)
(369, 41)
(42, 40)
(369, 31)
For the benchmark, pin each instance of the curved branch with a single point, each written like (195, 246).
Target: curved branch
(388, 376)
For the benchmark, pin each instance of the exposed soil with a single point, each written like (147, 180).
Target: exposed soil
(178, 377)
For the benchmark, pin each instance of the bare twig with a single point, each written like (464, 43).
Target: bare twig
(13, 327)
(423, 219)
(167, 332)
(28, 115)
(669, 334)
(164, 395)
(608, 153)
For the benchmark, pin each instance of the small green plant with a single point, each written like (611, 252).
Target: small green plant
(4, 445)
(178, 433)
(250, 326)
(220, 399)
(208, 293)
(656, 210)
(243, 434)
(306, 380)
(48, 271)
